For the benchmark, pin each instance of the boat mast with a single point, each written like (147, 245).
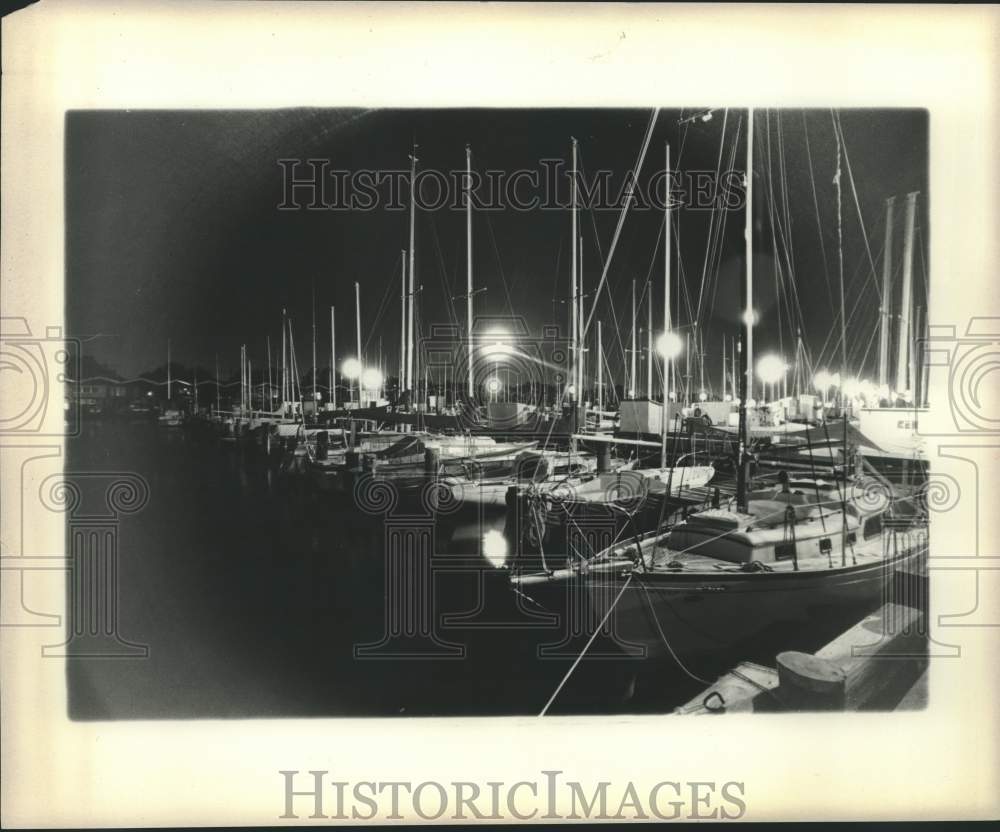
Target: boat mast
(723, 367)
(745, 365)
(664, 421)
(284, 365)
(468, 259)
(218, 391)
(649, 343)
(632, 373)
(600, 374)
(572, 292)
(905, 324)
(579, 318)
(840, 255)
(409, 313)
(402, 326)
(270, 387)
(168, 371)
(333, 358)
(357, 325)
(314, 345)
(884, 319)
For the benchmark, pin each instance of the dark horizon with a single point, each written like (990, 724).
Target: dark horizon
(173, 228)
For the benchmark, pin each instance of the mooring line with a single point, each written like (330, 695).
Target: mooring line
(583, 652)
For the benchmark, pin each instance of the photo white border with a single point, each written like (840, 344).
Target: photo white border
(935, 764)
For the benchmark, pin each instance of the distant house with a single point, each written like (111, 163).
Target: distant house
(99, 396)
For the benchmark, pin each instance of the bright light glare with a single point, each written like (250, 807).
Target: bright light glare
(495, 547)
(749, 316)
(670, 345)
(703, 396)
(770, 369)
(371, 379)
(493, 385)
(351, 368)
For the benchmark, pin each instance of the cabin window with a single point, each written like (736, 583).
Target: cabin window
(825, 546)
(873, 526)
(784, 551)
(852, 538)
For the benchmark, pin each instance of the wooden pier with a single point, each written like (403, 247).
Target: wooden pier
(879, 664)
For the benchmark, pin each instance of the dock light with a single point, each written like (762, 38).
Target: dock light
(729, 398)
(371, 379)
(883, 391)
(495, 547)
(822, 380)
(703, 396)
(751, 402)
(908, 396)
(494, 385)
(571, 390)
(351, 368)
(750, 317)
(771, 369)
(670, 345)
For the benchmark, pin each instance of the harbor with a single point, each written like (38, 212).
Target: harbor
(694, 484)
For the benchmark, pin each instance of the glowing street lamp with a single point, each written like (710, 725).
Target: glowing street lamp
(371, 379)
(351, 368)
(771, 369)
(670, 345)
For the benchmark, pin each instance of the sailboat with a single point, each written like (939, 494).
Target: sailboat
(768, 558)
(172, 416)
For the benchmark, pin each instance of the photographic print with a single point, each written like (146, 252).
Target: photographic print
(394, 383)
(497, 413)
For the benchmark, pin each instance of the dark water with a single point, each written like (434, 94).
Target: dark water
(252, 592)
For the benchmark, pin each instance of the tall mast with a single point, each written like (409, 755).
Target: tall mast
(840, 254)
(333, 358)
(885, 322)
(579, 318)
(574, 351)
(906, 307)
(357, 325)
(284, 362)
(649, 344)
(664, 420)
(724, 370)
(600, 373)
(168, 370)
(632, 371)
(196, 388)
(314, 345)
(409, 313)
(745, 363)
(402, 325)
(270, 388)
(218, 390)
(243, 378)
(468, 259)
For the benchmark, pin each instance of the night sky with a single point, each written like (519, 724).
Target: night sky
(173, 228)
